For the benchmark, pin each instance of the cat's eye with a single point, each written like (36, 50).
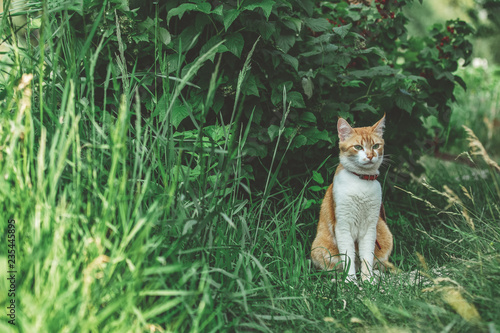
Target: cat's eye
(358, 147)
(376, 146)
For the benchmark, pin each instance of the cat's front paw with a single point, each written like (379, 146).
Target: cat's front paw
(351, 278)
(370, 279)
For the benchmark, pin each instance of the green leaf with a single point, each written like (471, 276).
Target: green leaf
(285, 42)
(229, 17)
(188, 38)
(342, 31)
(374, 71)
(266, 5)
(254, 148)
(203, 7)
(416, 78)
(404, 102)
(290, 132)
(296, 99)
(364, 107)
(308, 6)
(267, 29)
(219, 10)
(460, 81)
(179, 113)
(316, 188)
(308, 86)
(311, 52)
(354, 15)
(292, 23)
(291, 61)
(343, 60)
(308, 116)
(179, 11)
(306, 203)
(352, 83)
(164, 36)
(318, 178)
(234, 43)
(211, 43)
(272, 131)
(317, 24)
(140, 38)
(250, 86)
(314, 135)
(147, 24)
(298, 141)
(375, 50)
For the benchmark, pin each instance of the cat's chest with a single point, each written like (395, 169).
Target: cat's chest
(356, 195)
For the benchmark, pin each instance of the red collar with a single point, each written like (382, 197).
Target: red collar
(365, 177)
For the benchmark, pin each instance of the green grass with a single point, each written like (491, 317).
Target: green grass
(125, 225)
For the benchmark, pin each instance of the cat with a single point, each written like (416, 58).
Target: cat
(352, 228)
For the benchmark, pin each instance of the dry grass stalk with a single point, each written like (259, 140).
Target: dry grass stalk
(452, 295)
(422, 262)
(413, 196)
(477, 149)
(454, 298)
(453, 199)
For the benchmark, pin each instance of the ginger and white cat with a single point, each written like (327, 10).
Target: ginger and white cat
(352, 228)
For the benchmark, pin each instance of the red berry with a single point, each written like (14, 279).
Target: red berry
(392, 15)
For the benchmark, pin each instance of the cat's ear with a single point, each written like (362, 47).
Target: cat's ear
(378, 128)
(345, 130)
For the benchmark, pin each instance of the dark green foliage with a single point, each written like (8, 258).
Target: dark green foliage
(326, 59)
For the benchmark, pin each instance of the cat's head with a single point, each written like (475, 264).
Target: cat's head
(361, 148)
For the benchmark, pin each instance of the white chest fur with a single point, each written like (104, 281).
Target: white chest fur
(357, 202)
(357, 208)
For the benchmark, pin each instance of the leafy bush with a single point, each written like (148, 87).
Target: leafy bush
(326, 59)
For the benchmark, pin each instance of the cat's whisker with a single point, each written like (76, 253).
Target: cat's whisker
(387, 161)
